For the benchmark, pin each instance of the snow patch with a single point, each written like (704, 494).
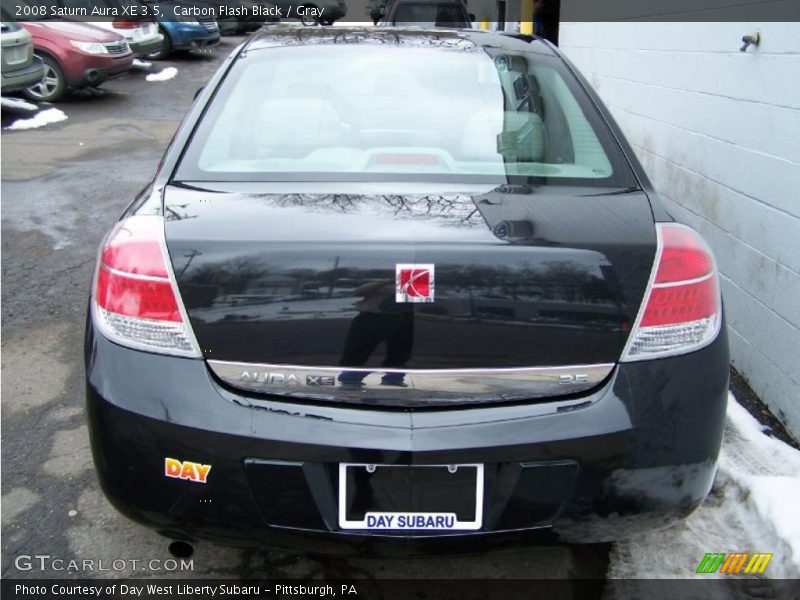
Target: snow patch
(163, 75)
(752, 508)
(8, 102)
(51, 115)
(768, 471)
(141, 64)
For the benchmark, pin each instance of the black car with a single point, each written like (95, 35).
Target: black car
(423, 13)
(239, 16)
(312, 12)
(423, 298)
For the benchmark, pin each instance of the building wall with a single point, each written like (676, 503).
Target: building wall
(718, 131)
(487, 9)
(359, 11)
(485, 12)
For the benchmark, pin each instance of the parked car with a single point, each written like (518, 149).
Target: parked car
(423, 13)
(75, 55)
(181, 32)
(141, 33)
(425, 298)
(239, 16)
(313, 12)
(20, 67)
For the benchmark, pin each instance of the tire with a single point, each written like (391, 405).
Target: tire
(165, 50)
(53, 85)
(306, 19)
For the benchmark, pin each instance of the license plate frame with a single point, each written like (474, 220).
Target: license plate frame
(15, 55)
(393, 524)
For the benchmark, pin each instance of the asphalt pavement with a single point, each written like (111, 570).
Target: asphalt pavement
(63, 186)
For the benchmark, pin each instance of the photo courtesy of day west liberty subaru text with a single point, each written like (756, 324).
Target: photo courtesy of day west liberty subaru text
(171, 590)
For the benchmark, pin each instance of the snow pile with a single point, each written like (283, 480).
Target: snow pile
(51, 115)
(769, 471)
(8, 102)
(752, 508)
(163, 74)
(141, 64)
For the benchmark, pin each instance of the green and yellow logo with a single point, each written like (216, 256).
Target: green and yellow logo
(735, 563)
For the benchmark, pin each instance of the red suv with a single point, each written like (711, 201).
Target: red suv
(75, 55)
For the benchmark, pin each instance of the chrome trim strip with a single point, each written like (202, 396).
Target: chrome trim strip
(173, 280)
(501, 370)
(685, 281)
(409, 387)
(135, 275)
(646, 297)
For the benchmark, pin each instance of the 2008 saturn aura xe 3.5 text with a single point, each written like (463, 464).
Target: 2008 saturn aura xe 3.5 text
(402, 289)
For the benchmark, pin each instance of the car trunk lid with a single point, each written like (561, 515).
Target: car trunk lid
(295, 292)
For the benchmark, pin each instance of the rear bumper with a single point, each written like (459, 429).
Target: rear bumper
(82, 69)
(146, 47)
(228, 26)
(639, 453)
(192, 37)
(20, 79)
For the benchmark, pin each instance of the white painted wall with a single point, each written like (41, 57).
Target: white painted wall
(718, 131)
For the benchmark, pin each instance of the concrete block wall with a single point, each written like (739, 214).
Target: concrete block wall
(718, 131)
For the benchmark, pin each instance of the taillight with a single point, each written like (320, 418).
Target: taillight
(126, 24)
(682, 309)
(136, 301)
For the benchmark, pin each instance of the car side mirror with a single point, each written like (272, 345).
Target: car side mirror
(197, 93)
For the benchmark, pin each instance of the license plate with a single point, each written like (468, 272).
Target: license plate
(15, 55)
(144, 31)
(411, 498)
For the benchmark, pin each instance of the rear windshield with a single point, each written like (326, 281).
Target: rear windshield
(385, 113)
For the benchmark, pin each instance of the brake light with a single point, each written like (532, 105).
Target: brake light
(126, 24)
(136, 301)
(682, 308)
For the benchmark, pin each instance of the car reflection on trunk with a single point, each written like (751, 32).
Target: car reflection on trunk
(379, 319)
